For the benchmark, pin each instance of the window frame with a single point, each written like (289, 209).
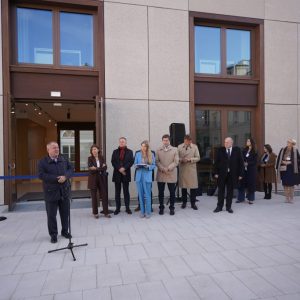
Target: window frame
(223, 44)
(56, 35)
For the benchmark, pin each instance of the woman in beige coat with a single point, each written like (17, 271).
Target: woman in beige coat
(188, 179)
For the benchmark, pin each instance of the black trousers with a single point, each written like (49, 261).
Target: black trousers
(63, 205)
(228, 184)
(268, 189)
(161, 192)
(193, 194)
(118, 186)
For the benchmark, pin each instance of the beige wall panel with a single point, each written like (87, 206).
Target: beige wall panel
(162, 114)
(242, 8)
(298, 63)
(1, 78)
(175, 4)
(126, 51)
(283, 10)
(168, 54)
(281, 59)
(127, 118)
(1, 151)
(281, 122)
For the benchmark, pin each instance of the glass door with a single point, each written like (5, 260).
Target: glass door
(75, 140)
(213, 125)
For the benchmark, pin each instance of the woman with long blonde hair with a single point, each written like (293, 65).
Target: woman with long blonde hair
(144, 163)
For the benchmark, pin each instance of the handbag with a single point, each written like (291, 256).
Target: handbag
(282, 168)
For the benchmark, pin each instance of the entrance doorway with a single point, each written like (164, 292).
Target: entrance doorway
(72, 125)
(213, 125)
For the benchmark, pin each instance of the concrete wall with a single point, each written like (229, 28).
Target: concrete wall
(1, 118)
(146, 72)
(282, 66)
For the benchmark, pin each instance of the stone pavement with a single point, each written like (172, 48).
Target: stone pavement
(251, 254)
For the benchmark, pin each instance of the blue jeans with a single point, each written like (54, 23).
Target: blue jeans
(144, 191)
(241, 194)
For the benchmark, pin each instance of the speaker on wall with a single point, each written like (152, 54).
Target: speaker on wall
(177, 133)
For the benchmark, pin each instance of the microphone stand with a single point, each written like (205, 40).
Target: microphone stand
(70, 245)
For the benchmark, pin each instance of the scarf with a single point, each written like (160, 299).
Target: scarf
(295, 158)
(122, 153)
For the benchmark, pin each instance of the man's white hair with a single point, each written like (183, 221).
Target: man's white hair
(51, 143)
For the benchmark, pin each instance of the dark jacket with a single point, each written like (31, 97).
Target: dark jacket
(98, 175)
(117, 164)
(49, 170)
(249, 179)
(235, 164)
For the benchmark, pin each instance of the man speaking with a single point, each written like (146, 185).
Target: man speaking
(54, 171)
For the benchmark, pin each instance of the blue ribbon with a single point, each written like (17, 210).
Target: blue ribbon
(35, 176)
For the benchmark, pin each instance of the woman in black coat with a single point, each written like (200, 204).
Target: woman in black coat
(248, 183)
(97, 181)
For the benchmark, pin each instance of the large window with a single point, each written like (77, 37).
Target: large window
(55, 37)
(238, 60)
(207, 50)
(35, 42)
(76, 39)
(222, 51)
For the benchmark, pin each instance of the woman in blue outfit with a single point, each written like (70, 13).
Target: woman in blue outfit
(144, 163)
(248, 183)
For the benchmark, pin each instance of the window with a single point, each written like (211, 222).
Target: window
(76, 39)
(207, 50)
(222, 51)
(35, 44)
(238, 52)
(40, 32)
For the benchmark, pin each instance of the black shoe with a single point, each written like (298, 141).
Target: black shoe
(67, 235)
(161, 211)
(183, 205)
(116, 212)
(53, 239)
(137, 208)
(128, 210)
(239, 201)
(194, 207)
(230, 210)
(217, 210)
(172, 212)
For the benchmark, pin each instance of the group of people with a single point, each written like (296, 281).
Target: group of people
(145, 161)
(233, 168)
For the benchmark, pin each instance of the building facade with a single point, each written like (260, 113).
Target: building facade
(91, 71)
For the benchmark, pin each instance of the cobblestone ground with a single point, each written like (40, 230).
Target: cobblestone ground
(253, 253)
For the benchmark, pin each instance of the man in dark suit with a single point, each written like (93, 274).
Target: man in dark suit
(54, 171)
(228, 170)
(122, 160)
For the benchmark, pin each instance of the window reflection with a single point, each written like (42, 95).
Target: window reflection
(239, 126)
(67, 144)
(207, 50)
(238, 52)
(86, 140)
(34, 29)
(76, 39)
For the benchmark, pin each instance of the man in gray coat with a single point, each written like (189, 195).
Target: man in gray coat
(166, 160)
